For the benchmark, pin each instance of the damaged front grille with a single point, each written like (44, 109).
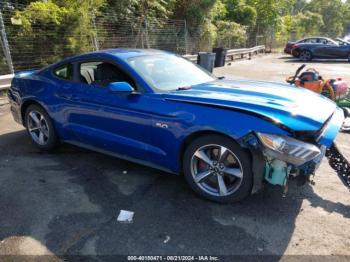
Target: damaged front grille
(339, 163)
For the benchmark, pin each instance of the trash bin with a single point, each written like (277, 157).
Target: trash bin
(220, 56)
(206, 60)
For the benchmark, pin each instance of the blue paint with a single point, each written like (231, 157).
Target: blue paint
(151, 126)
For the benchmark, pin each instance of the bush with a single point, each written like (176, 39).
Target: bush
(230, 34)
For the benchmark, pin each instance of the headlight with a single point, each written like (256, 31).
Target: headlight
(288, 149)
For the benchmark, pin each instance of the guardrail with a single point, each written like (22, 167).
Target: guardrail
(192, 58)
(5, 81)
(233, 54)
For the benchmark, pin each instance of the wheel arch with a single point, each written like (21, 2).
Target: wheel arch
(191, 137)
(307, 50)
(25, 106)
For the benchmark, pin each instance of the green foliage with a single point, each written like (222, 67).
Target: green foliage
(42, 14)
(218, 22)
(227, 23)
(309, 23)
(238, 11)
(195, 12)
(126, 9)
(53, 29)
(267, 13)
(207, 36)
(333, 14)
(299, 26)
(230, 34)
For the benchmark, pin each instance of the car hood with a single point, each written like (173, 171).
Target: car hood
(296, 108)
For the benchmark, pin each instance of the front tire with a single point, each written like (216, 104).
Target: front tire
(40, 128)
(218, 169)
(305, 56)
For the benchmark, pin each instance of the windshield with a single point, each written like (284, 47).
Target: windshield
(342, 41)
(169, 72)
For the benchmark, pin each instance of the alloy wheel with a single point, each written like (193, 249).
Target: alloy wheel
(305, 56)
(38, 128)
(216, 170)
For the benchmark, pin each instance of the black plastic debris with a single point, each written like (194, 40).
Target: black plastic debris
(339, 163)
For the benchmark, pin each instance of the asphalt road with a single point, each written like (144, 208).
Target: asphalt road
(66, 203)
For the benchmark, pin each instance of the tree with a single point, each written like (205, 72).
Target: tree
(230, 34)
(209, 22)
(333, 14)
(49, 31)
(195, 12)
(129, 9)
(238, 11)
(267, 13)
(297, 26)
(346, 19)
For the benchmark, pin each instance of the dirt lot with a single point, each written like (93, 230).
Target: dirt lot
(66, 203)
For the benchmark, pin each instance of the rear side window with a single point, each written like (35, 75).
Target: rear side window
(64, 72)
(102, 73)
(312, 40)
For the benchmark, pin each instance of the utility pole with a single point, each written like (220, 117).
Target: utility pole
(186, 36)
(146, 31)
(94, 34)
(5, 45)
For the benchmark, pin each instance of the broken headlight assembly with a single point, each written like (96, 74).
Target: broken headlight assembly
(288, 149)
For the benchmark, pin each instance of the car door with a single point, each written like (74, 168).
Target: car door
(341, 51)
(326, 49)
(118, 123)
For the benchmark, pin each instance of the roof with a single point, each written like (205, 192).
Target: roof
(128, 52)
(124, 53)
(121, 53)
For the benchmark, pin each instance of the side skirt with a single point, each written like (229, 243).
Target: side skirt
(124, 157)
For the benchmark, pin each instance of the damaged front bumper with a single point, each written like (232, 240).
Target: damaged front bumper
(276, 168)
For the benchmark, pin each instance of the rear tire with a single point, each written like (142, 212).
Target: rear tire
(305, 56)
(218, 169)
(40, 128)
(295, 53)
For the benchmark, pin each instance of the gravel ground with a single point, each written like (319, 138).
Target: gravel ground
(66, 203)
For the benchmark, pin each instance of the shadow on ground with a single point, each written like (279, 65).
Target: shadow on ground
(314, 61)
(69, 201)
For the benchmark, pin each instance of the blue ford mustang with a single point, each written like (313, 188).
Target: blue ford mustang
(158, 109)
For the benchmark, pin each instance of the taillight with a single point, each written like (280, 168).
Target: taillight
(295, 46)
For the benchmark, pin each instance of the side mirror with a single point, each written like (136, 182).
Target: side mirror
(120, 87)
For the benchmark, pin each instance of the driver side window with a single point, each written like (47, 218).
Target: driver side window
(101, 73)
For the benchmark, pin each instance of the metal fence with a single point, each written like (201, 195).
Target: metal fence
(34, 44)
(165, 34)
(38, 44)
